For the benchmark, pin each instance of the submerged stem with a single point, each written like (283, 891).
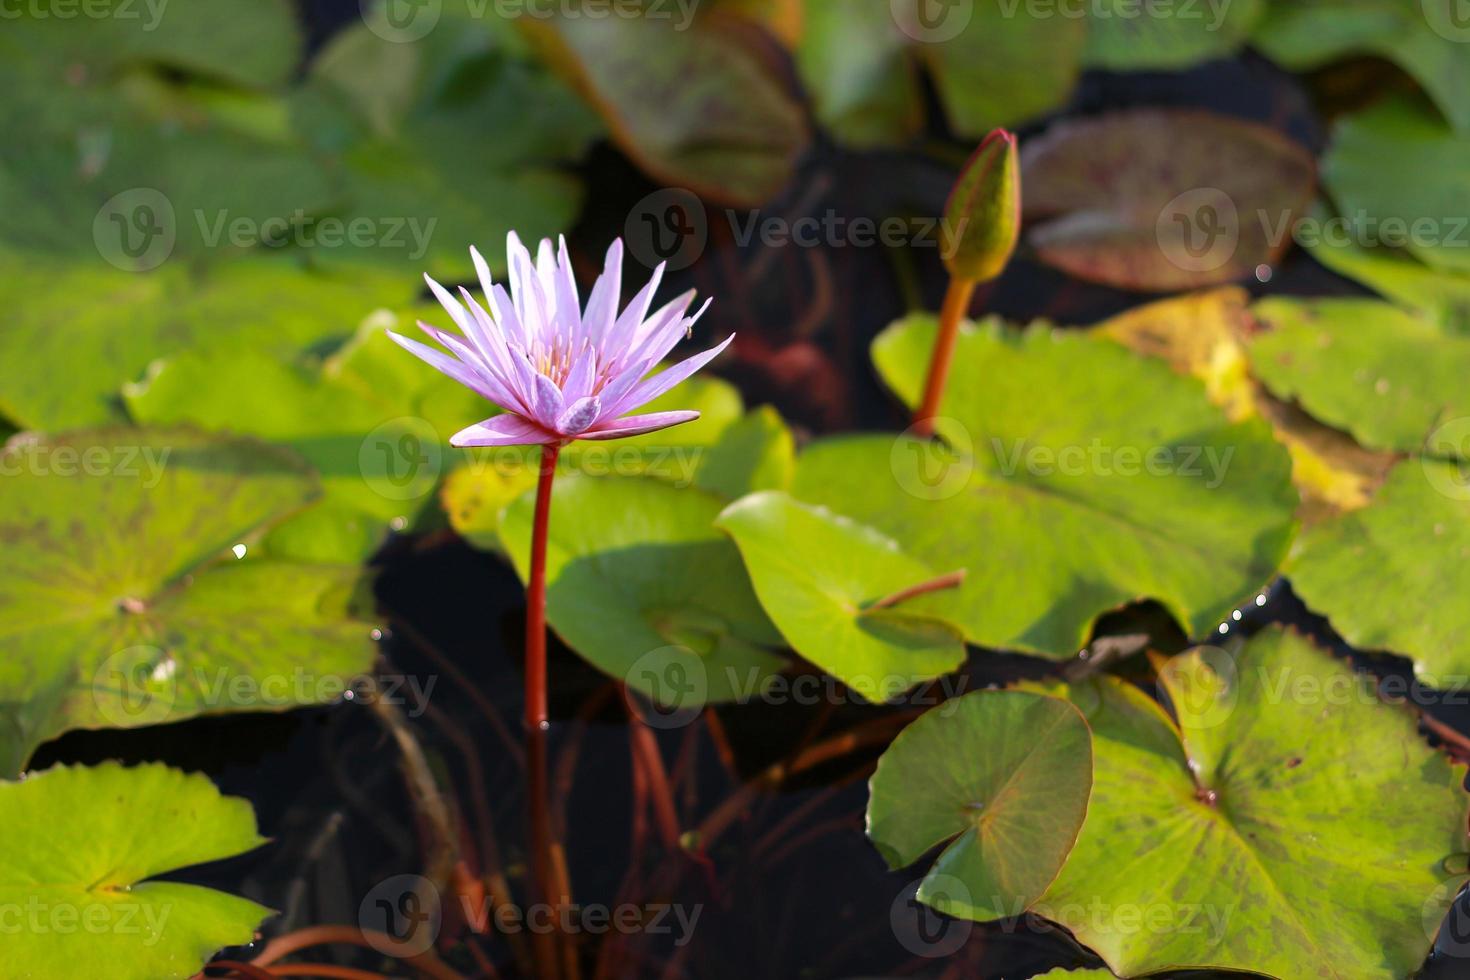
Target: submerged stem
(956, 305)
(536, 596)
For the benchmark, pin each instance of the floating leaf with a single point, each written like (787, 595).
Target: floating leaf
(1427, 39)
(1413, 544)
(694, 104)
(1386, 376)
(1199, 334)
(118, 322)
(822, 579)
(85, 843)
(112, 155)
(123, 605)
(1443, 297)
(1002, 778)
(864, 85)
(1205, 335)
(721, 451)
(466, 140)
(998, 69)
(1075, 975)
(640, 582)
(1229, 841)
(1163, 35)
(755, 452)
(1082, 477)
(1163, 199)
(259, 50)
(374, 424)
(1397, 172)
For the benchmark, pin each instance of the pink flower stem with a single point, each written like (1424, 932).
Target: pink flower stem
(956, 305)
(536, 596)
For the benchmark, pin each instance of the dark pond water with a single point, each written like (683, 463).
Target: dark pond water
(790, 888)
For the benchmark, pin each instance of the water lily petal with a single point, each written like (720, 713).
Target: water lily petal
(503, 430)
(579, 415)
(659, 383)
(636, 425)
(546, 401)
(625, 330)
(602, 305)
(457, 370)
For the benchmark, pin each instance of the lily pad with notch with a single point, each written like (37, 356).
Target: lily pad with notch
(1052, 531)
(834, 589)
(1002, 779)
(641, 583)
(130, 598)
(1227, 840)
(92, 841)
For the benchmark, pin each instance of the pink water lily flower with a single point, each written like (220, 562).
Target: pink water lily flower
(559, 371)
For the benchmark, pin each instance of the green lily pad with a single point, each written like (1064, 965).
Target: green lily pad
(1163, 199)
(1075, 975)
(86, 841)
(864, 86)
(1000, 69)
(259, 50)
(1229, 841)
(130, 163)
(722, 451)
(1124, 35)
(1441, 296)
(640, 582)
(441, 142)
(861, 63)
(1047, 496)
(1003, 777)
(1397, 171)
(1413, 543)
(693, 104)
(1426, 38)
(1388, 377)
(125, 601)
(374, 424)
(822, 577)
(118, 322)
(754, 452)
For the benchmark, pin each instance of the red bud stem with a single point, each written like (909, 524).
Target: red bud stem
(956, 305)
